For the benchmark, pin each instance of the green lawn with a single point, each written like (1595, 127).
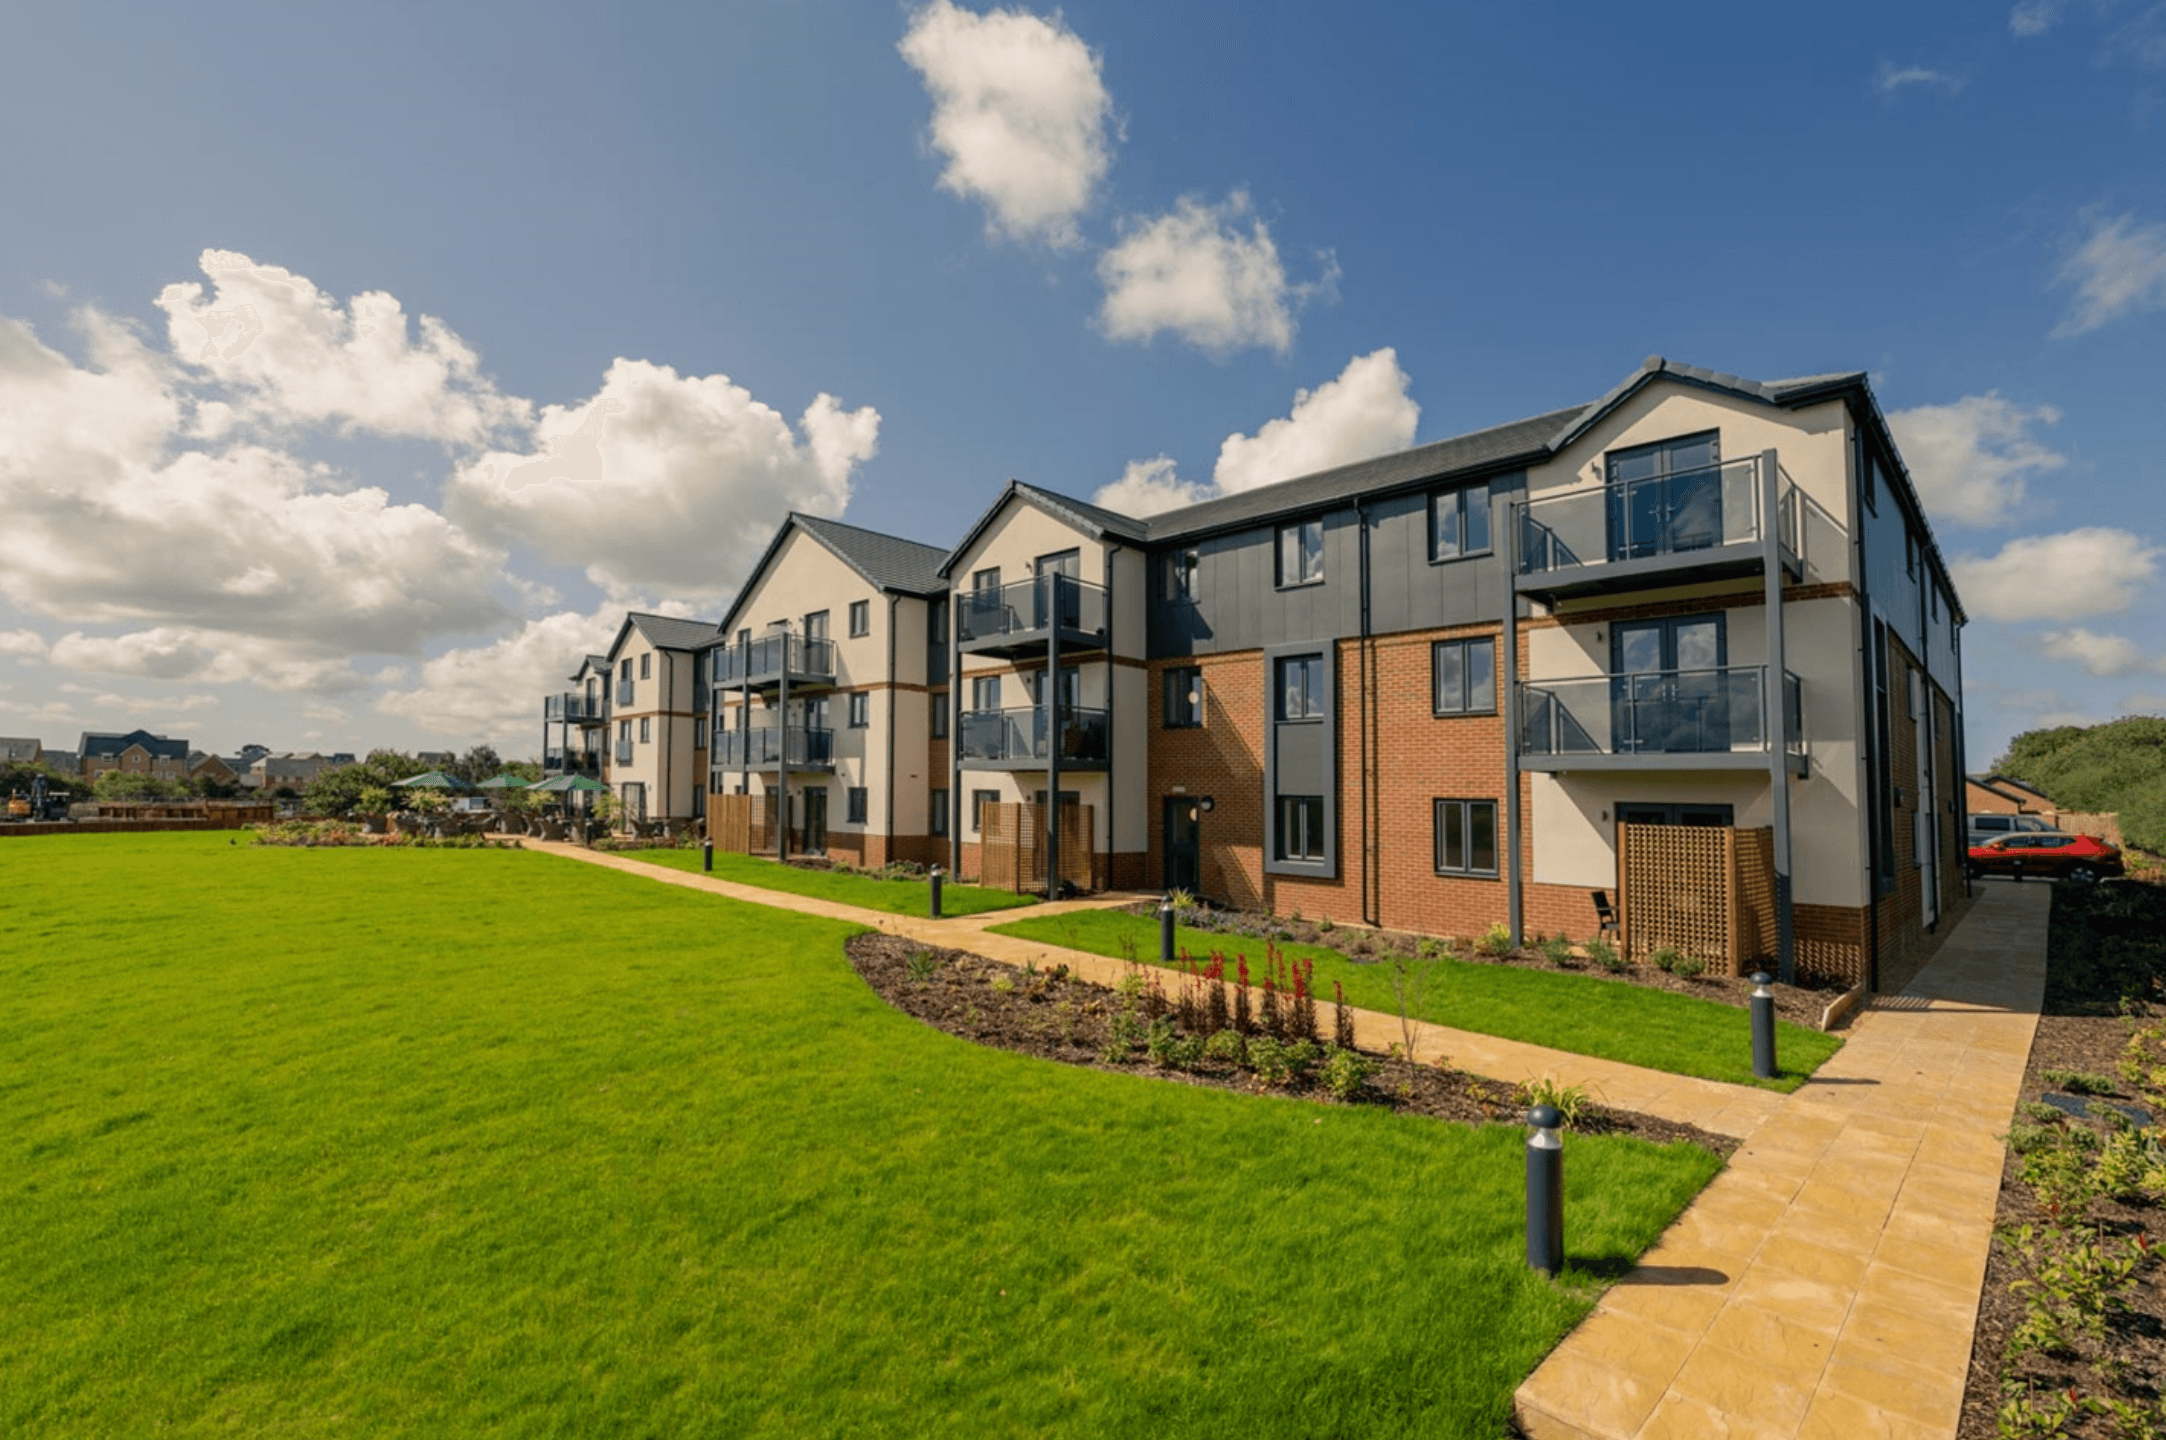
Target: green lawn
(379, 1142)
(896, 897)
(1654, 1028)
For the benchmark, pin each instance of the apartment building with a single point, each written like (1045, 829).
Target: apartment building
(575, 722)
(655, 759)
(1428, 691)
(137, 752)
(830, 696)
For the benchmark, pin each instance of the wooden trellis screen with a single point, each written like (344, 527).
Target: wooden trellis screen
(1012, 854)
(1704, 891)
(741, 824)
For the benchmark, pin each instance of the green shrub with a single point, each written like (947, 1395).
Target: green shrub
(1278, 1063)
(1665, 958)
(1688, 967)
(1496, 940)
(922, 966)
(2080, 1082)
(2043, 1113)
(1569, 1101)
(1558, 951)
(1346, 1072)
(1226, 1046)
(1604, 954)
(1324, 926)
(1162, 1043)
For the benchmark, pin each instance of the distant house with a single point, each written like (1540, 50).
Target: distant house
(63, 762)
(290, 770)
(137, 752)
(205, 766)
(14, 751)
(436, 759)
(2003, 795)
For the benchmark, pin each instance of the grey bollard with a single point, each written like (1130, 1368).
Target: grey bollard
(1545, 1191)
(936, 878)
(1763, 1027)
(706, 855)
(1165, 931)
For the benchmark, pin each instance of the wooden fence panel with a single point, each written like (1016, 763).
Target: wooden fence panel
(1701, 890)
(1011, 852)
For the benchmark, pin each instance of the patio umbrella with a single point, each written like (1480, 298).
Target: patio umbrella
(505, 782)
(560, 784)
(434, 780)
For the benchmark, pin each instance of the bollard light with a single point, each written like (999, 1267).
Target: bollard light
(936, 877)
(1545, 1190)
(706, 855)
(1165, 931)
(1763, 1026)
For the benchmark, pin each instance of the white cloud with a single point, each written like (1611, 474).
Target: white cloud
(1365, 411)
(2099, 654)
(1891, 78)
(1147, 487)
(667, 482)
(2119, 269)
(21, 642)
(290, 354)
(1971, 459)
(177, 652)
(2142, 703)
(1196, 274)
(493, 692)
(2092, 571)
(1020, 115)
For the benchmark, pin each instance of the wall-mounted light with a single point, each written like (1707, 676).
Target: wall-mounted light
(1605, 817)
(1209, 803)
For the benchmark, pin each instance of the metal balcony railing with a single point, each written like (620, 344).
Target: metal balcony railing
(624, 692)
(575, 708)
(762, 661)
(624, 752)
(1678, 516)
(1023, 611)
(1667, 712)
(808, 745)
(571, 762)
(1010, 737)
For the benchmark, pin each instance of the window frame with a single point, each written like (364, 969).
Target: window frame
(856, 804)
(1187, 716)
(937, 816)
(646, 732)
(859, 715)
(1182, 575)
(939, 722)
(646, 665)
(979, 799)
(1319, 835)
(1464, 810)
(1463, 645)
(1458, 496)
(860, 618)
(982, 686)
(1317, 695)
(1296, 528)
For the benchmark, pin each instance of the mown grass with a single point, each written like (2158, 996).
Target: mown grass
(1654, 1028)
(895, 897)
(381, 1142)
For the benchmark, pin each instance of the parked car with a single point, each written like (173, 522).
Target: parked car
(2081, 858)
(1992, 827)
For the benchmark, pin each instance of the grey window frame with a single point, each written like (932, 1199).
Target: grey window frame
(1319, 835)
(937, 819)
(646, 734)
(1459, 497)
(979, 799)
(1183, 574)
(860, 711)
(856, 804)
(646, 665)
(1465, 809)
(1464, 645)
(940, 716)
(984, 688)
(1296, 528)
(1182, 681)
(860, 618)
(1317, 695)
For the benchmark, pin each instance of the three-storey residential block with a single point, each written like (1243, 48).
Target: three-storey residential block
(655, 757)
(575, 722)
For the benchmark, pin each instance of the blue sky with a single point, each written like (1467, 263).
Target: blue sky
(684, 269)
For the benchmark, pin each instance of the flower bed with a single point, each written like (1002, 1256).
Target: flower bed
(333, 834)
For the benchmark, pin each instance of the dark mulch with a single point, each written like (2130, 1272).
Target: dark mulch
(2107, 945)
(1801, 1004)
(1056, 1016)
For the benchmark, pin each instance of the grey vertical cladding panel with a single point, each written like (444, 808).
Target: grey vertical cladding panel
(1300, 750)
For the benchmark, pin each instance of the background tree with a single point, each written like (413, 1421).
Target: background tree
(337, 790)
(123, 785)
(16, 777)
(2119, 766)
(476, 765)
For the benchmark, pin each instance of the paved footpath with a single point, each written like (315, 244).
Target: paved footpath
(1826, 1284)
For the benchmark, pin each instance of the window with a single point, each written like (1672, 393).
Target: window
(985, 692)
(1301, 553)
(1301, 688)
(1181, 576)
(1459, 522)
(860, 617)
(744, 637)
(1184, 697)
(939, 814)
(816, 625)
(1463, 675)
(1910, 553)
(860, 709)
(1301, 827)
(984, 580)
(936, 622)
(624, 671)
(646, 733)
(854, 805)
(1934, 592)
(940, 717)
(646, 666)
(624, 728)
(979, 799)
(1466, 837)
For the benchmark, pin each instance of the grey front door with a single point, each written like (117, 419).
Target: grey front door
(1184, 843)
(1671, 696)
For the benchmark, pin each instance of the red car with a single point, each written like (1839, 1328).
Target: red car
(2081, 858)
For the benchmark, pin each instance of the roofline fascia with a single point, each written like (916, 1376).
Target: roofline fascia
(1465, 474)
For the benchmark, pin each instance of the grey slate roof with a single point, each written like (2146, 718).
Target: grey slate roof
(670, 633)
(19, 749)
(887, 561)
(1093, 519)
(101, 745)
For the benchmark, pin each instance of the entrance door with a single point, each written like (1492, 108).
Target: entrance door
(1637, 812)
(1669, 691)
(1665, 497)
(1052, 592)
(633, 796)
(814, 839)
(1184, 843)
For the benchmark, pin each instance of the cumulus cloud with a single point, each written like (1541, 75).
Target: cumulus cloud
(491, 690)
(1891, 78)
(1021, 116)
(22, 642)
(2119, 269)
(1971, 459)
(290, 354)
(1365, 411)
(2099, 654)
(2077, 573)
(1208, 274)
(179, 652)
(664, 481)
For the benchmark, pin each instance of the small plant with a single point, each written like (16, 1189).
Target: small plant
(1128, 947)
(1346, 1071)
(1569, 1101)
(1324, 926)
(922, 966)
(1495, 941)
(1244, 1019)
(2025, 1139)
(1277, 1063)
(1227, 1047)
(1558, 951)
(2043, 1113)
(1666, 959)
(1411, 981)
(1427, 949)
(1124, 1032)
(1183, 901)
(1688, 967)
(1604, 954)
(1187, 1052)
(1005, 984)
(1342, 1019)
(2080, 1082)
(1162, 1042)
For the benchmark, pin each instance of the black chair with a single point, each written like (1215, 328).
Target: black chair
(1605, 912)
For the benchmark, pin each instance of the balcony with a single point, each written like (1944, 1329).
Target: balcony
(763, 748)
(1018, 619)
(1018, 739)
(1695, 525)
(762, 664)
(571, 707)
(572, 762)
(1665, 720)
(624, 692)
